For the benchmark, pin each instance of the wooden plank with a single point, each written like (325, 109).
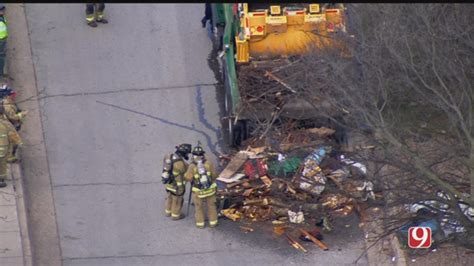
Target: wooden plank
(234, 165)
(316, 241)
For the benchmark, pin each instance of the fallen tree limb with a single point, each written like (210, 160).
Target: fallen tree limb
(270, 75)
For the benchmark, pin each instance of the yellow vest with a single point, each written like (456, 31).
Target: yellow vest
(3, 29)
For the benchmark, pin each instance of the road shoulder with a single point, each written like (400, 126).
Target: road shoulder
(35, 180)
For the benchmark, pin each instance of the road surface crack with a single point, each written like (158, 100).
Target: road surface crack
(154, 255)
(105, 183)
(42, 94)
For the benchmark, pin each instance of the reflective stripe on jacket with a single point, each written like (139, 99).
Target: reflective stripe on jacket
(3, 28)
(204, 193)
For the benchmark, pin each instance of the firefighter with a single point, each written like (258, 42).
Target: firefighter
(207, 16)
(11, 114)
(8, 139)
(95, 13)
(16, 116)
(202, 176)
(174, 168)
(3, 40)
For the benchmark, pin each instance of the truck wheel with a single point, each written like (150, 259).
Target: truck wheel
(239, 133)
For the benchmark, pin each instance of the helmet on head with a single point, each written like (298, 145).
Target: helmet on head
(184, 148)
(5, 90)
(198, 151)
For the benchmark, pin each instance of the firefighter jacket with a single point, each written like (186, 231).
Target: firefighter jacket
(203, 178)
(178, 169)
(11, 111)
(8, 137)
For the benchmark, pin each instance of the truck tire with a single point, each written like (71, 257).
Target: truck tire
(227, 106)
(239, 132)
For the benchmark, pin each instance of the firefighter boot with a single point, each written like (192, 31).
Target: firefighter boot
(100, 16)
(92, 23)
(102, 20)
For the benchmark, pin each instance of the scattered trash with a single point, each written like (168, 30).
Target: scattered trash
(266, 180)
(246, 229)
(293, 178)
(317, 156)
(295, 244)
(322, 132)
(232, 214)
(315, 233)
(296, 217)
(279, 230)
(360, 166)
(314, 240)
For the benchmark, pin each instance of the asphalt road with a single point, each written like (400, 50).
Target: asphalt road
(114, 100)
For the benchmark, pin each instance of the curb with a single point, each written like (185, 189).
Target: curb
(17, 177)
(18, 185)
(37, 213)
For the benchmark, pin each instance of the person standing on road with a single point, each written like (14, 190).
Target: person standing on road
(16, 116)
(95, 13)
(203, 177)
(3, 40)
(207, 16)
(174, 168)
(9, 139)
(11, 114)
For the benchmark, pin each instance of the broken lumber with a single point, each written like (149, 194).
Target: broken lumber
(234, 165)
(279, 229)
(316, 241)
(246, 229)
(295, 244)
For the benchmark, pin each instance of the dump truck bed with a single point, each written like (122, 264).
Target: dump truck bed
(268, 86)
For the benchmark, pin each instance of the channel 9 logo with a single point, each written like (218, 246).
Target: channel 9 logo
(419, 237)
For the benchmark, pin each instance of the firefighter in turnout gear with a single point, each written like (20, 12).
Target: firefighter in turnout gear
(95, 13)
(174, 168)
(203, 177)
(9, 138)
(11, 113)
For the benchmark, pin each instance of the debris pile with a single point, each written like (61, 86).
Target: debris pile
(295, 190)
(279, 89)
